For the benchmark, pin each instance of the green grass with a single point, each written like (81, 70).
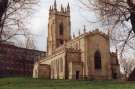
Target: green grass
(29, 83)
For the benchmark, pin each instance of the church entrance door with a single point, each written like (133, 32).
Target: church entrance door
(77, 75)
(114, 75)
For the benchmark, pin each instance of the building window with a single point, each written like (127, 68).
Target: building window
(97, 60)
(61, 42)
(61, 29)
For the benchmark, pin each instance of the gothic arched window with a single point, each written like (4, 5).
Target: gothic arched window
(61, 29)
(97, 60)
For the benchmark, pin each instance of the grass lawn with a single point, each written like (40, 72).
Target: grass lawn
(29, 83)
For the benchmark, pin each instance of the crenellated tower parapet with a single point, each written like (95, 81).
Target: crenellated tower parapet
(65, 11)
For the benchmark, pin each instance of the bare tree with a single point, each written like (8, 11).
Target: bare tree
(116, 10)
(3, 8)
(119, 15)
(13, 14)
(127, 64)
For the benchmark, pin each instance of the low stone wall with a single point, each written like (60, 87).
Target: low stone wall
(44, 71)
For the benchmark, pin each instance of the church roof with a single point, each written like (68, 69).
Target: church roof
(91, 33)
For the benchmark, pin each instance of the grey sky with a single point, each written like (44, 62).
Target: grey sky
(79, 18)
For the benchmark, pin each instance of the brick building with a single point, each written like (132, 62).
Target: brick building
(15, 61)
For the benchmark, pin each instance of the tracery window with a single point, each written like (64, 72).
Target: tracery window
(61, 29)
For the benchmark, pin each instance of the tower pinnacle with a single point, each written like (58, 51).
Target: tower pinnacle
(50, 8)
(62, 9)
(55, 5)
(68, 7)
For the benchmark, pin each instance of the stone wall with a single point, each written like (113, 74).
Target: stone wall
(115, 66)
(57, 64)
(44, 71)
(98, 42)
(76, 58)
(75, 70)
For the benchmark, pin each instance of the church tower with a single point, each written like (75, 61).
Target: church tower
(59, 27)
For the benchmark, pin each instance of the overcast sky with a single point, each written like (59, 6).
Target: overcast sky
(39, 21)
(79, 17)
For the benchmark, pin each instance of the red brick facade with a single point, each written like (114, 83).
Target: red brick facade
(15, 61)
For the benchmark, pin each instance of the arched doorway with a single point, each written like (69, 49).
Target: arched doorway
(77, 75)
(97, 60)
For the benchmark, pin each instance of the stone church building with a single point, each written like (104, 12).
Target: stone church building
(87, 56)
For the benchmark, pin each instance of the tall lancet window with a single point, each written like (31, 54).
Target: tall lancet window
(97, 60)
(61, 29)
